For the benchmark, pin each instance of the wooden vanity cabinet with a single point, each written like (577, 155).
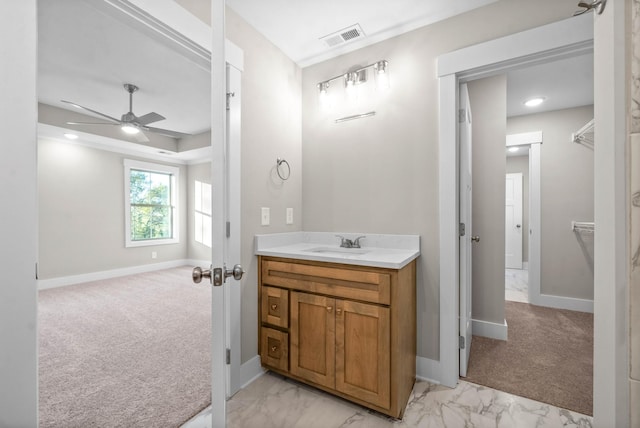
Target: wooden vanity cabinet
(351, 329)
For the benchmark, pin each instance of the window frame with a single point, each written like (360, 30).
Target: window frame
(130, 164)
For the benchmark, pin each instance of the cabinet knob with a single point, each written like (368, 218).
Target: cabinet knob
(329, 308)
(274, 348)
(274, 307)
(338, 311)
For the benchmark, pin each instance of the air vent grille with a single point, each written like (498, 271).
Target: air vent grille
(354, 32)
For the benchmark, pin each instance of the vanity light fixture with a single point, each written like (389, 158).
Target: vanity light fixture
(359, 76)
(534, 102)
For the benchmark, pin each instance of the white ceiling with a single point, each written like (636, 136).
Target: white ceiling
(296, 26)
(85, 55)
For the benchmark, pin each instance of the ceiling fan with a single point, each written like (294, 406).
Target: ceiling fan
(129, 122)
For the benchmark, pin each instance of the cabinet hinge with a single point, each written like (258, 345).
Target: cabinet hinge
(228, 229)
(461, 342)
(462, 229)
(228, 356)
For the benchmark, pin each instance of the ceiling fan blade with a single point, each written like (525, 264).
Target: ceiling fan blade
(92, 111)
(150, 118)
(140, 137)
(91, 123)
(168, 133)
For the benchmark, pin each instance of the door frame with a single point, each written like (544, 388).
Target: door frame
(519, 179)
(554, 41)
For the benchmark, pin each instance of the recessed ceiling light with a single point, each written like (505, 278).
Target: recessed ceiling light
(534, 102)
(71, 136)
(513, 149)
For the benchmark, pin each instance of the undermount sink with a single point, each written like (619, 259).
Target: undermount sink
(338, 250)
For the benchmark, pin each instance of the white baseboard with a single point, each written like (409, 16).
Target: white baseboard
(488, 329)
(250, 371)
(428, 370)
(559, 302)
(62, 281)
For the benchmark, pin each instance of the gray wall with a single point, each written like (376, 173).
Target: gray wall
(380, 174)
(521, 164)
(81, 213)
(270, 129)
(566, 192)
(488, 100)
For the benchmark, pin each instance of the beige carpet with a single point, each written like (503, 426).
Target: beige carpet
(548, 357)
(126, 352)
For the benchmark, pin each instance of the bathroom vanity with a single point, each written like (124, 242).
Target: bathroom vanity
(341, 319)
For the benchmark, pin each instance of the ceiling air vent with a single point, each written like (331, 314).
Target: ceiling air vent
(345, 35)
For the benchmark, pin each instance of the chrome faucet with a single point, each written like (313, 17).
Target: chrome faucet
(348, 243)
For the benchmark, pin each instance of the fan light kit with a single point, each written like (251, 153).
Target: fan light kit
(129, 122)
(70, 136)
(534, 102)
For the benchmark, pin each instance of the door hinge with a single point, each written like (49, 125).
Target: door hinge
(228, 229)
(461, 342)
(462, 229)
(462, 115)
(229, 95)
(228, 356)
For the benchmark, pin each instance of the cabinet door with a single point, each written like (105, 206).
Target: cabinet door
(362, 352)
(312, 338)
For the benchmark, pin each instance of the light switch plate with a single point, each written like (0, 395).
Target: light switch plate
(265, 217)
(289, 215)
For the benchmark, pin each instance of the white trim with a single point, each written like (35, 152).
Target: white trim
(560, 302)
(250, 371)
(44, 284)
(561, 39)
(524, 139)
(489, 329)
(428, 370)
(535, 224)
(525, 265)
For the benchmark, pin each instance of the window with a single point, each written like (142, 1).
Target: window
(202, 223)
(150, 203)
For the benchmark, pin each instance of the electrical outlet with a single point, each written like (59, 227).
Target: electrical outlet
(289, 215)
(265, 217)
(154, 255)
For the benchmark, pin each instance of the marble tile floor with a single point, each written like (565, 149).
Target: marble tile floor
(516, 285)
(272, 401)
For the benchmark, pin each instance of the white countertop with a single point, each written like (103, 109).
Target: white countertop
(386, 251)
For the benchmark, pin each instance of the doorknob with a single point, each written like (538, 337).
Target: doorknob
(518, 226)
(198, 274)
(219, 274)
(475, 238)
(236, 272)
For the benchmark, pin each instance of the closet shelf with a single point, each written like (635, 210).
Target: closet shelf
(584, 135)
(583, 226)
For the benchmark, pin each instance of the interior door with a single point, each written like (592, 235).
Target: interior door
(513, 221)
(466, 235)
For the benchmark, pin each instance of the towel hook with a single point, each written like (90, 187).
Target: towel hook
(280, 173)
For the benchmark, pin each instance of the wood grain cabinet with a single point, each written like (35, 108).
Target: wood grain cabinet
(349, 330)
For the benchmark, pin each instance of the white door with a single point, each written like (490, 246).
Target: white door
(465, 219)
(513, 221)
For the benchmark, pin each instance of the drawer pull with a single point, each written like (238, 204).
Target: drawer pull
(338, 311)
(274, 307)
(274, 348)
(329, 308)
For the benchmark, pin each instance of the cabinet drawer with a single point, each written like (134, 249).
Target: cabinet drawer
(355, 283)
(274, 348)
(275, 307)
